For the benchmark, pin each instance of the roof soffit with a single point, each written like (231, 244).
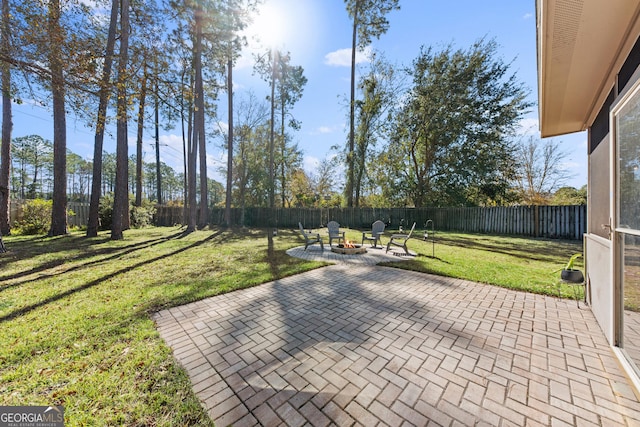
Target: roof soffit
(580, 43)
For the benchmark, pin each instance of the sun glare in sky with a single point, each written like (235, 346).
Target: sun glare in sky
(270, 25)
(289, 26)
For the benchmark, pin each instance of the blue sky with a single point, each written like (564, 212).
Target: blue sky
(318, 35)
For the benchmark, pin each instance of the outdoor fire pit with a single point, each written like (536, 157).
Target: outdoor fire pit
(348, 249)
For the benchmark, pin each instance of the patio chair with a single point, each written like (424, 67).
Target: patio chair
(310, 238)
(377, 228)
(334, 232)
(400, 240)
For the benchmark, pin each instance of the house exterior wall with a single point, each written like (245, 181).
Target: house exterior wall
(586, 73)
(604, 250)
(600, 289)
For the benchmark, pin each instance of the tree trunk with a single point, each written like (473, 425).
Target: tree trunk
(227, 203)
(352, 101)
(271, 138)
(185, 192)
(32, 191)
(358, 186)
(7, 124)
(59, 209)
(120, 199)
(198, 120)
(283, 149)
(204, 191)
(23, 175)
(105, 89)
(157, 128)
(141, 106)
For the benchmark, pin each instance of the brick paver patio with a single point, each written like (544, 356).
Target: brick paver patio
(355, 344)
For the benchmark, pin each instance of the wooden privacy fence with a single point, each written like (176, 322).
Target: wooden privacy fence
(561, 222)
(558, 222)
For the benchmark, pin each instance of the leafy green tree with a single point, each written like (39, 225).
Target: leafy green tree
(21, 160)
(214, 24)
(303, 194)
(291, 83)
(453, 133)
(267, 67)
(57, 52)
(231, 40)
(570, 196)
(108, 172)
(79, 175)
(55, 49)
(379, 88)
(250, 122)
(216, 193)
(33, 156)
(171, 182)
(287, 84)
(288, 160)
(251, 178)
(369, 22)
(324, 180)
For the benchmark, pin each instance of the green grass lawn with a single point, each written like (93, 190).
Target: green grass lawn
(75, 322)
(530, 265)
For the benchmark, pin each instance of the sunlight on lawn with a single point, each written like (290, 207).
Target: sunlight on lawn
(75, 312)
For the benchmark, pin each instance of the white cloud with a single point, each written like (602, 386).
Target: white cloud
(245, 61)
(171, 139)
(528, 127)
(342, 57)
(324, 129)
(569, 166)
(216, 164)
(171, 152)
(222, 127)
(527, 16)
(310, 164)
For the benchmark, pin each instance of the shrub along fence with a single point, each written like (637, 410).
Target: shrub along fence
(79, 218)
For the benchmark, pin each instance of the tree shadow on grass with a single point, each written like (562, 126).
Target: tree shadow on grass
(87, 252)
(522, 250)
(29, 308)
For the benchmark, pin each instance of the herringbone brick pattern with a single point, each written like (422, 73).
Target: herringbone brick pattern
(364, 345)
